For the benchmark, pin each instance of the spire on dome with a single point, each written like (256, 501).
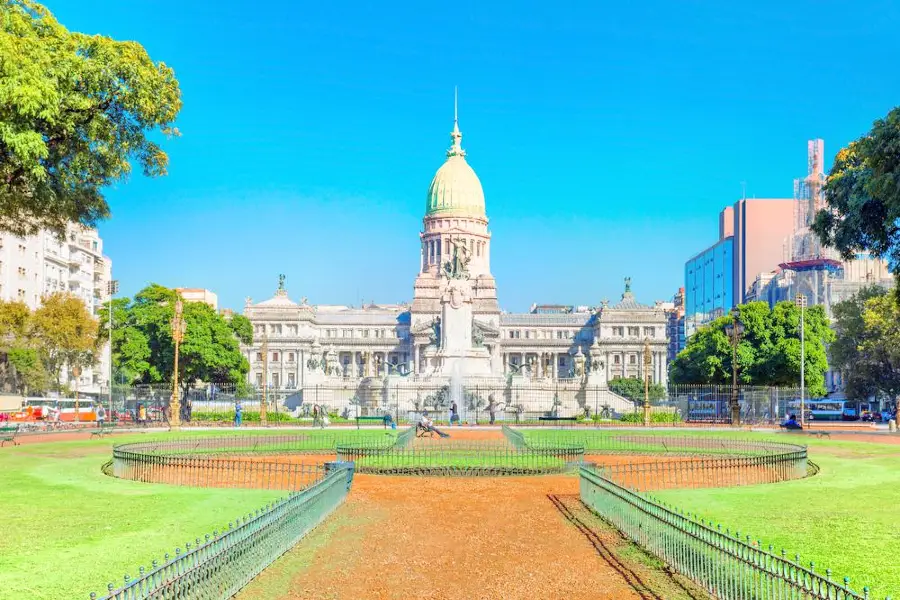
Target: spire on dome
(456, 135)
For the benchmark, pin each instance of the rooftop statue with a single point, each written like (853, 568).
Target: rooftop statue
(281, 282)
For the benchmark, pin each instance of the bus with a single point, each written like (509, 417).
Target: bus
(39, 409)
(827, 410)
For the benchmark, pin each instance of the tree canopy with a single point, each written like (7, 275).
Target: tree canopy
(768, 352)
(75, 110)
(144, 351)
(862, 194)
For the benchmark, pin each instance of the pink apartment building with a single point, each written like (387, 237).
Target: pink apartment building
(760, 227)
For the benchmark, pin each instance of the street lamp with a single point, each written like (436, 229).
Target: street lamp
(178, 328)
(647, 361)
(76, 373)
(263, 419)
(801, 303)
(112, 286)
(734, 330)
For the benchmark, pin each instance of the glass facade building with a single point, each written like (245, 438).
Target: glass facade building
(709, 285)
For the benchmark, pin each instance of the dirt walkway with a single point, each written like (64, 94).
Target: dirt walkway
(448, 538)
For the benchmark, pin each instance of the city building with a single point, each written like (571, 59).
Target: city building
(199, 295)
(708, 285)
(42, 264)
(453, 327)
(675, 331)
(760, 228)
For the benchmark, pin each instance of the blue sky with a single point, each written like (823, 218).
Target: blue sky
(607, 135)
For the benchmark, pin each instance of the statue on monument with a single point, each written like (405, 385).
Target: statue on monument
(435, 336)
(281, 282)
(458, 265)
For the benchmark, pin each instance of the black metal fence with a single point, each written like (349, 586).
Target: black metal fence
(726, 564)
(221, 564)
(513, 401)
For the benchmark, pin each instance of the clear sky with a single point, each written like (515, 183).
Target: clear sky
(607, 135)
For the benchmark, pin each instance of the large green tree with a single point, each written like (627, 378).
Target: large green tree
(862, 194)
(65, 334)
(21, 367)
(863, 360)
(881, 344)
(144, 351)
(75, 111)
(768, 352)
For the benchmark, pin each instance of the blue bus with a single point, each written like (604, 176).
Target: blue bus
(827, 410)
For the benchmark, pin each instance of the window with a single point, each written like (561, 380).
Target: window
(635, 331)
(650, 331)
(348, 333)
(258, 354)
(274, 357)
(258, 375)
(562, 362)
(527, 334)
(619, 331)
(616, 359)
(292, 330)
(291, 381)
(632, 359)
(275, 329)
(275, 380)
(365, 333)
(290, 354)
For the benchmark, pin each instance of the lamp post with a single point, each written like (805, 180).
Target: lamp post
(647, 362)
(801, 302)
(734, 330)
(263, 420)
(178, 327)
(76, 373)
(112, 286)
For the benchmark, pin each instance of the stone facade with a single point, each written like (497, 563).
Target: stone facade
(454, 320)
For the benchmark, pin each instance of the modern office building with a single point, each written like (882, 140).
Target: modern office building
(708, 285)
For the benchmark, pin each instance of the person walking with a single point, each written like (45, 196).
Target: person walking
(454, 414)
(101, 415)
(238, 413)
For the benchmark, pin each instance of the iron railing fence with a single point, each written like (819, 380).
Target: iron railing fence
(687, 472)
(418, 456)
(247, 461)
(729, 566)
(617, 441)
(221, 564)
(515, 401)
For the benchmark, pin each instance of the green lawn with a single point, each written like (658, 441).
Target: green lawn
(68, 529)
(846, 518)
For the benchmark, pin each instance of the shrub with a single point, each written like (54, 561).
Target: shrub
(247, 416)
(655, 417)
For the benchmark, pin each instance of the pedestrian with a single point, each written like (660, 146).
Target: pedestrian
(492, 408)
(454, 414)
(101, 415)
(238, 413)
(142, 414)
(315, 415)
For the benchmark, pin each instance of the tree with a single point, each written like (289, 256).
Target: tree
(144, 352)
(862, 194)
(30, 374)
(768, 352)
(863, 359)
(65, 333)
(75, 110)
(882, 343)
(633, 389)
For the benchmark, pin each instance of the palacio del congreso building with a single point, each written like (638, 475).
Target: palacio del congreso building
(452, 342)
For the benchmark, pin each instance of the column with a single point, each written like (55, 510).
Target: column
(415, 358)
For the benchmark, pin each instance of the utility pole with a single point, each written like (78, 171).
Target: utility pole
(76, 372)
(178, 327)
(263, 420)
(801, 302)
(112, 286)
(647, 362)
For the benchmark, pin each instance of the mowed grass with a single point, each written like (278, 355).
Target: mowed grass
(846, 518)
(68, 529)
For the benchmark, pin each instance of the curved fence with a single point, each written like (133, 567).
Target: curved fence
(451, 457)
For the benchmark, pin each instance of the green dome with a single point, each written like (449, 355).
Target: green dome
(455, 188)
